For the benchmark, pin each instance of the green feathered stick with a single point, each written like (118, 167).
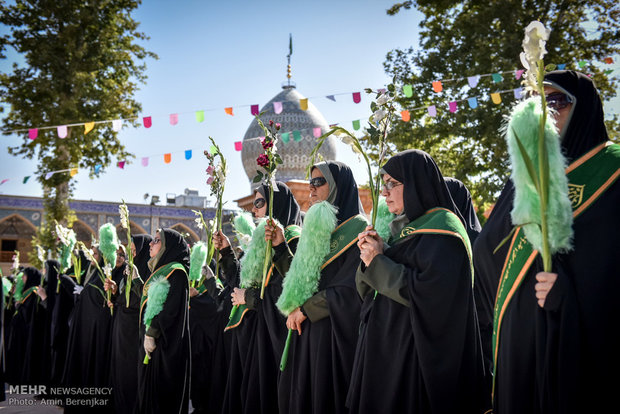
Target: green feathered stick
(6, 288)
(302, 279)
(244, 227)
(157, 294)
(197, 260)
(384, 218)
(108, 245)
(19, 287)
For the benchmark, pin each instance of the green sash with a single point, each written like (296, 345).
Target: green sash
(588, 177)
(344, 236)
(166, 271)
(238, 312)
(27, 293)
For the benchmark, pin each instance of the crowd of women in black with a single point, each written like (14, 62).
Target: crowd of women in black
(405, 321)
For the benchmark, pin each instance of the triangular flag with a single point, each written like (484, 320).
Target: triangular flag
(357, 97)
(297, 136)
(356, 124)
(238, 145)
(285, 137)
(473, 81)
(174, 119)
(561, 66)
(496, 98)
(97, 168)
(518, 73)
(452, 106)
(277, 107)
(582, 64)
(147, 121)
(117, 124)
(518, 93)
(254, 109)
(609, 60)
(408, 91)
(432, 111)
(473, 102)
(303, 104)
(229, 111)
(608, 71)
(405, 116)
(200, 116)
(188, 154)
(73, 172)
(49, 175)
(4, 181)
(317, 132)
(331, 98)
(437, 86)
(121, 164)
(88, 127)
(497, 77)
(62, 131)
(167, 158)
(145, 161)
(26, 179)
(32, 133)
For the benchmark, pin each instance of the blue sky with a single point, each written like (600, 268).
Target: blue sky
(216, 54)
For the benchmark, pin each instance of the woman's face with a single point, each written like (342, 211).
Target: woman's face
(96, 255)
(318, 191)
(561, 113)
(393, 196)
(155, 245)
(259, 200)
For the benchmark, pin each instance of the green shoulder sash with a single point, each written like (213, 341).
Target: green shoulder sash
(27, 293)
(344, 236)
(165, 271)
(588, 178)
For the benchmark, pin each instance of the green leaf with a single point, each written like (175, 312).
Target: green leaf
(391, 87)
(528, 163)
(550, 67)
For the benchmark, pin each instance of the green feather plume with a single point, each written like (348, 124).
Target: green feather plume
(254, 258)
(384, 218)
(157, 295)
(108, 243)
(198, 258)
(19, 287)
(244, 227)
(6, 286)
(523, 128)
(302, 279)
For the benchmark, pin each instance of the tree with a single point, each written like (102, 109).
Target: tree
(83, 62)
(467, 38)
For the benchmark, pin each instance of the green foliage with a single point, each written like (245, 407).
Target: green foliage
(460, 39)
(83, 62)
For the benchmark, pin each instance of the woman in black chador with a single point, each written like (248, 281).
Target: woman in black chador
(258, 338)
(419, 349)
(325, 325)
(556, 344)
(164, 383)
(125, 329)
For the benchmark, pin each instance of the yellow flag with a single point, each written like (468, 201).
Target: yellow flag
(88, 127)
(73, 171)
(303, 104)
(496, 98)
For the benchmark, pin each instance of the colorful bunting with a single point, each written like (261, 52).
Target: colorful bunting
(188, 154)
(73, 172)
(88, 126)
(117, 124)
(4, 181)
(297, 136)
(26, 179)
(167, 158)
(357, 97)
(452, 106)
(316, 132)
(229, 111)
(518, 73)
(200, 116)
(473, 102)
(49, 175)
(277, 107)
(121, 165)
(303, 104)
(174, 119)
(408, 91)
(582, 64)
(331, 98)
(437, 86)
(62, 131)
(609, 60)
(432, 111)
(562, 66)
(405, 116)
(518, 93)
(285, 137)
(497, 77)
(145, 161)
(254, 110)
(496, 98)
(32, 133)
(97, 168)
(147, 121)
(238, 146)
(473, 81)
(356, 124)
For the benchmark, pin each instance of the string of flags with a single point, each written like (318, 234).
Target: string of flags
(199, 115)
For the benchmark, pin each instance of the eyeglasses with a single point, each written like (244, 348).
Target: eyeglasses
(259, 202)
(155, 241)
(389, 185)
(558, 100)
(318, 182)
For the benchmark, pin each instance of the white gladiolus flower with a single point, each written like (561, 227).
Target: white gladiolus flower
(379, 115)
(198, 223)
(383, 99)
(124, 213)
(107, 270)
(15, 264)
(64, 235)
(534, 42)
(41, 254)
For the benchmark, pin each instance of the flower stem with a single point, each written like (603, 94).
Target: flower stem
(284, 358)
(268, 249)
(543, 171)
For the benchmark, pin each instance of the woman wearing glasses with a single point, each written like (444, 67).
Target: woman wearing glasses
(419, 349)
(257, 327)
(555, 338)
(163, 383)
(319, 296)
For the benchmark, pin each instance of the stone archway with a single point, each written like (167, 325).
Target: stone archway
(16, 233)
(188, 234)
(135, 229)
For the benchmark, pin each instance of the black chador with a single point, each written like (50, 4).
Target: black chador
(164, 383)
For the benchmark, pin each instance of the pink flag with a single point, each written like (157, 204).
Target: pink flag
(254, 109)
(518, 73)
(33, 133)
(277, 107)
(452, 106)
(357, 97)
(121, 164)
(238, 146)
(4, 181)
(432, 111)
(174, 119)
(145, 161)
(147, 121)
(62, 131)
(317, 132)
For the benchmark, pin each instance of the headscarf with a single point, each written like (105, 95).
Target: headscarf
(141, 242)
(174, 248)
(285, 208)
(424, 186)
(585, 128)
(347, 199)
(462, 199)
(33, 277)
